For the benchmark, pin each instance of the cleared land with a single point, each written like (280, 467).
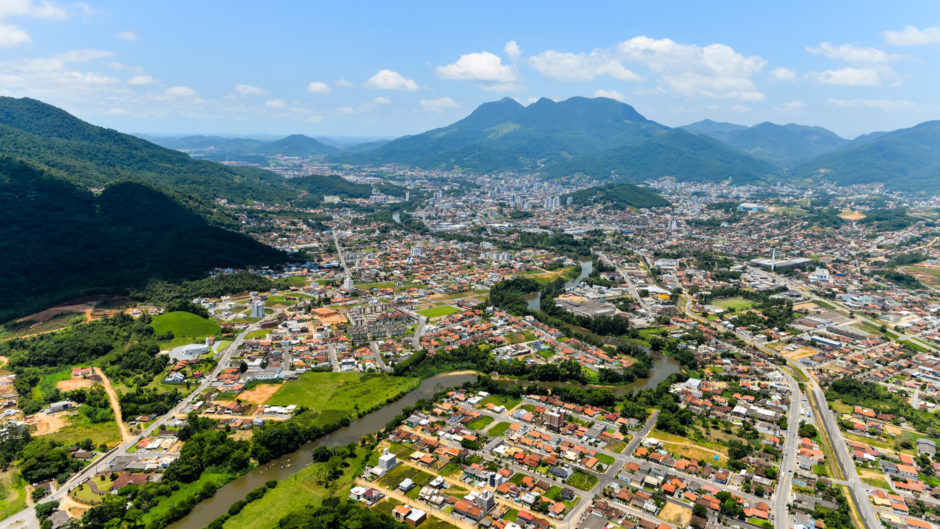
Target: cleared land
(676, 515)
(73, 384)
(929, 275)
(260, 394)
(851, 215)
(79, 428)
(438, 312)
(873, 478)
(545, 277)
(186, 328)
(684, 447)
(337, 395)
(12, 493)
(733, 303)
(480, 422)
(498, 429)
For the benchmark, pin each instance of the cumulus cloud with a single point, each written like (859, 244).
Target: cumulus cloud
(27, 8)
(118, 112)
(368, 106)
(481, 67)
(439, 104)
(783, 74)
(249, 90)
(854, 54)
(180, 91)
(390, 80)
(911, 36)
(880, 104)
(344, 83)
(12, 36)
(611, 94)
(795, 104)
(563, 66)
(317, 87)
(381, 100)
(512, 50)
(84, 55)
(126, 35)
(316, 118)
(848, 77)
(345, 110)
(275, 103)
(141, 80)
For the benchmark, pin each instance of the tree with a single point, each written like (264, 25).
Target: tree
(699, 510)
(243, 367)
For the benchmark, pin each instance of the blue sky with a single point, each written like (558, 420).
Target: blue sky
(391, 68)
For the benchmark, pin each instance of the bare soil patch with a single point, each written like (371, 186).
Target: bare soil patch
(48, 423)
(260, 394)
(74, 383)
(851, 215)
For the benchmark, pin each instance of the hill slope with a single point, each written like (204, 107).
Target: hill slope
(507, 135)
(617, 195)
(906, 159)
(93, 156)
(64, 242)
(780, 144)
(681, 154)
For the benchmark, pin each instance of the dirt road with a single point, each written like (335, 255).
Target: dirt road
(115, 405)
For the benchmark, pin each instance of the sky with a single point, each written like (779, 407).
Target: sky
(384, 69)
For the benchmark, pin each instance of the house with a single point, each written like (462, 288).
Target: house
(369, 496)
(926, 446)
(468, 510)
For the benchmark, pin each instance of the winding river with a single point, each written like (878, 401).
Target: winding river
(285, 466)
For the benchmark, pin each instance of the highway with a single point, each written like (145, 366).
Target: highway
(27, 517)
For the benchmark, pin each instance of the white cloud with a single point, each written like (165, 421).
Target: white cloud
(84, 55)
(317, 87)
(118, 112)
(715, 71)
(249, 90)
(848, 77)
(346, 110)
(141, 80)
(439, 104)
(275, 103)
(126, 35)
(880, 104)
(180, 91)
(480, 67)
(381, 100)
(512, 50)
(503, 87)
(911, 36)
(316, 118)
(12, 36)
(854, 54)
(795, 104)
(783, 74)
(389, 80)
(27, 8)
(611, 94)
(344, 83)
(562, 66)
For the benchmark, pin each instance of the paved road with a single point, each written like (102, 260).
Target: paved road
(379, 361)
(348, 281)
(27, 517)
(419, 332)
(331, 352)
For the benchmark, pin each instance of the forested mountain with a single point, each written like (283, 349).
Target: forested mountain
(780, 144)
(906, 159)
(506, 135)
(93, 156)
(60, 241)
(678, 153)
(617, 195)
(218, 148)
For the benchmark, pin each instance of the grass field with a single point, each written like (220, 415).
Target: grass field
(12, 493)
(616, 446)
(582, 480)
(519, 337)
(696, 451)
(337, 395)
(733, 303)
(48, 383)
(498, 429)
(186, 328)
(260, 333)
(821, 470)
(437, 312)
(186, 490)
(549, 276)
(480, 422)
(929, 276)
(80, 428)
(873, 478)
(86, 494)
(294, 493)
(606, 459)
(500, 400)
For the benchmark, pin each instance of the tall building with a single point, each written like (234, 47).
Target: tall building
(256, 309)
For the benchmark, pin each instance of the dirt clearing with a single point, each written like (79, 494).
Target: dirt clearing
(676, 515)
(74, 383)
(48, 423)
(260, 394)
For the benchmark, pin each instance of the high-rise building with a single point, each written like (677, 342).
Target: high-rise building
(256, 309)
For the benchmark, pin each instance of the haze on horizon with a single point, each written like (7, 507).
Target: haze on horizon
(331, 70)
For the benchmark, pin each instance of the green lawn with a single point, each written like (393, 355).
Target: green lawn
(294, 493)
(582, 480)
(403, 472)
(606, 459)
(733, 303)
(437, 312)
(480, 422)
(186, 490)
(820, 470)
(498, 429)
(260, 333)
(547, 354)
(12, 493)
(86, 494)
(186, 328)
(616, 446)
(500, 400)
(337, 395)
(78, 428)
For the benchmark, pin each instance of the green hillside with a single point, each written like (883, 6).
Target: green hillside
(680, 154)
(617, 195)
(186, 327)
(905, 160)
(60, 241)
(94, 157)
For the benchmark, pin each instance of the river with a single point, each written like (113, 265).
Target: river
(534, 301)
(285, 466)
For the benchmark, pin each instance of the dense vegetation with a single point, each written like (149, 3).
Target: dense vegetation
(339, 514)
(779, 144)
(871, 395)
(618, 196)
(69, 243)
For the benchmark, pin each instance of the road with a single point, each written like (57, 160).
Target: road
(379, 361)
(115, 404)
(331, 353)
(27, 517)
(419, 332)
(348, 281)
(627, 279)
